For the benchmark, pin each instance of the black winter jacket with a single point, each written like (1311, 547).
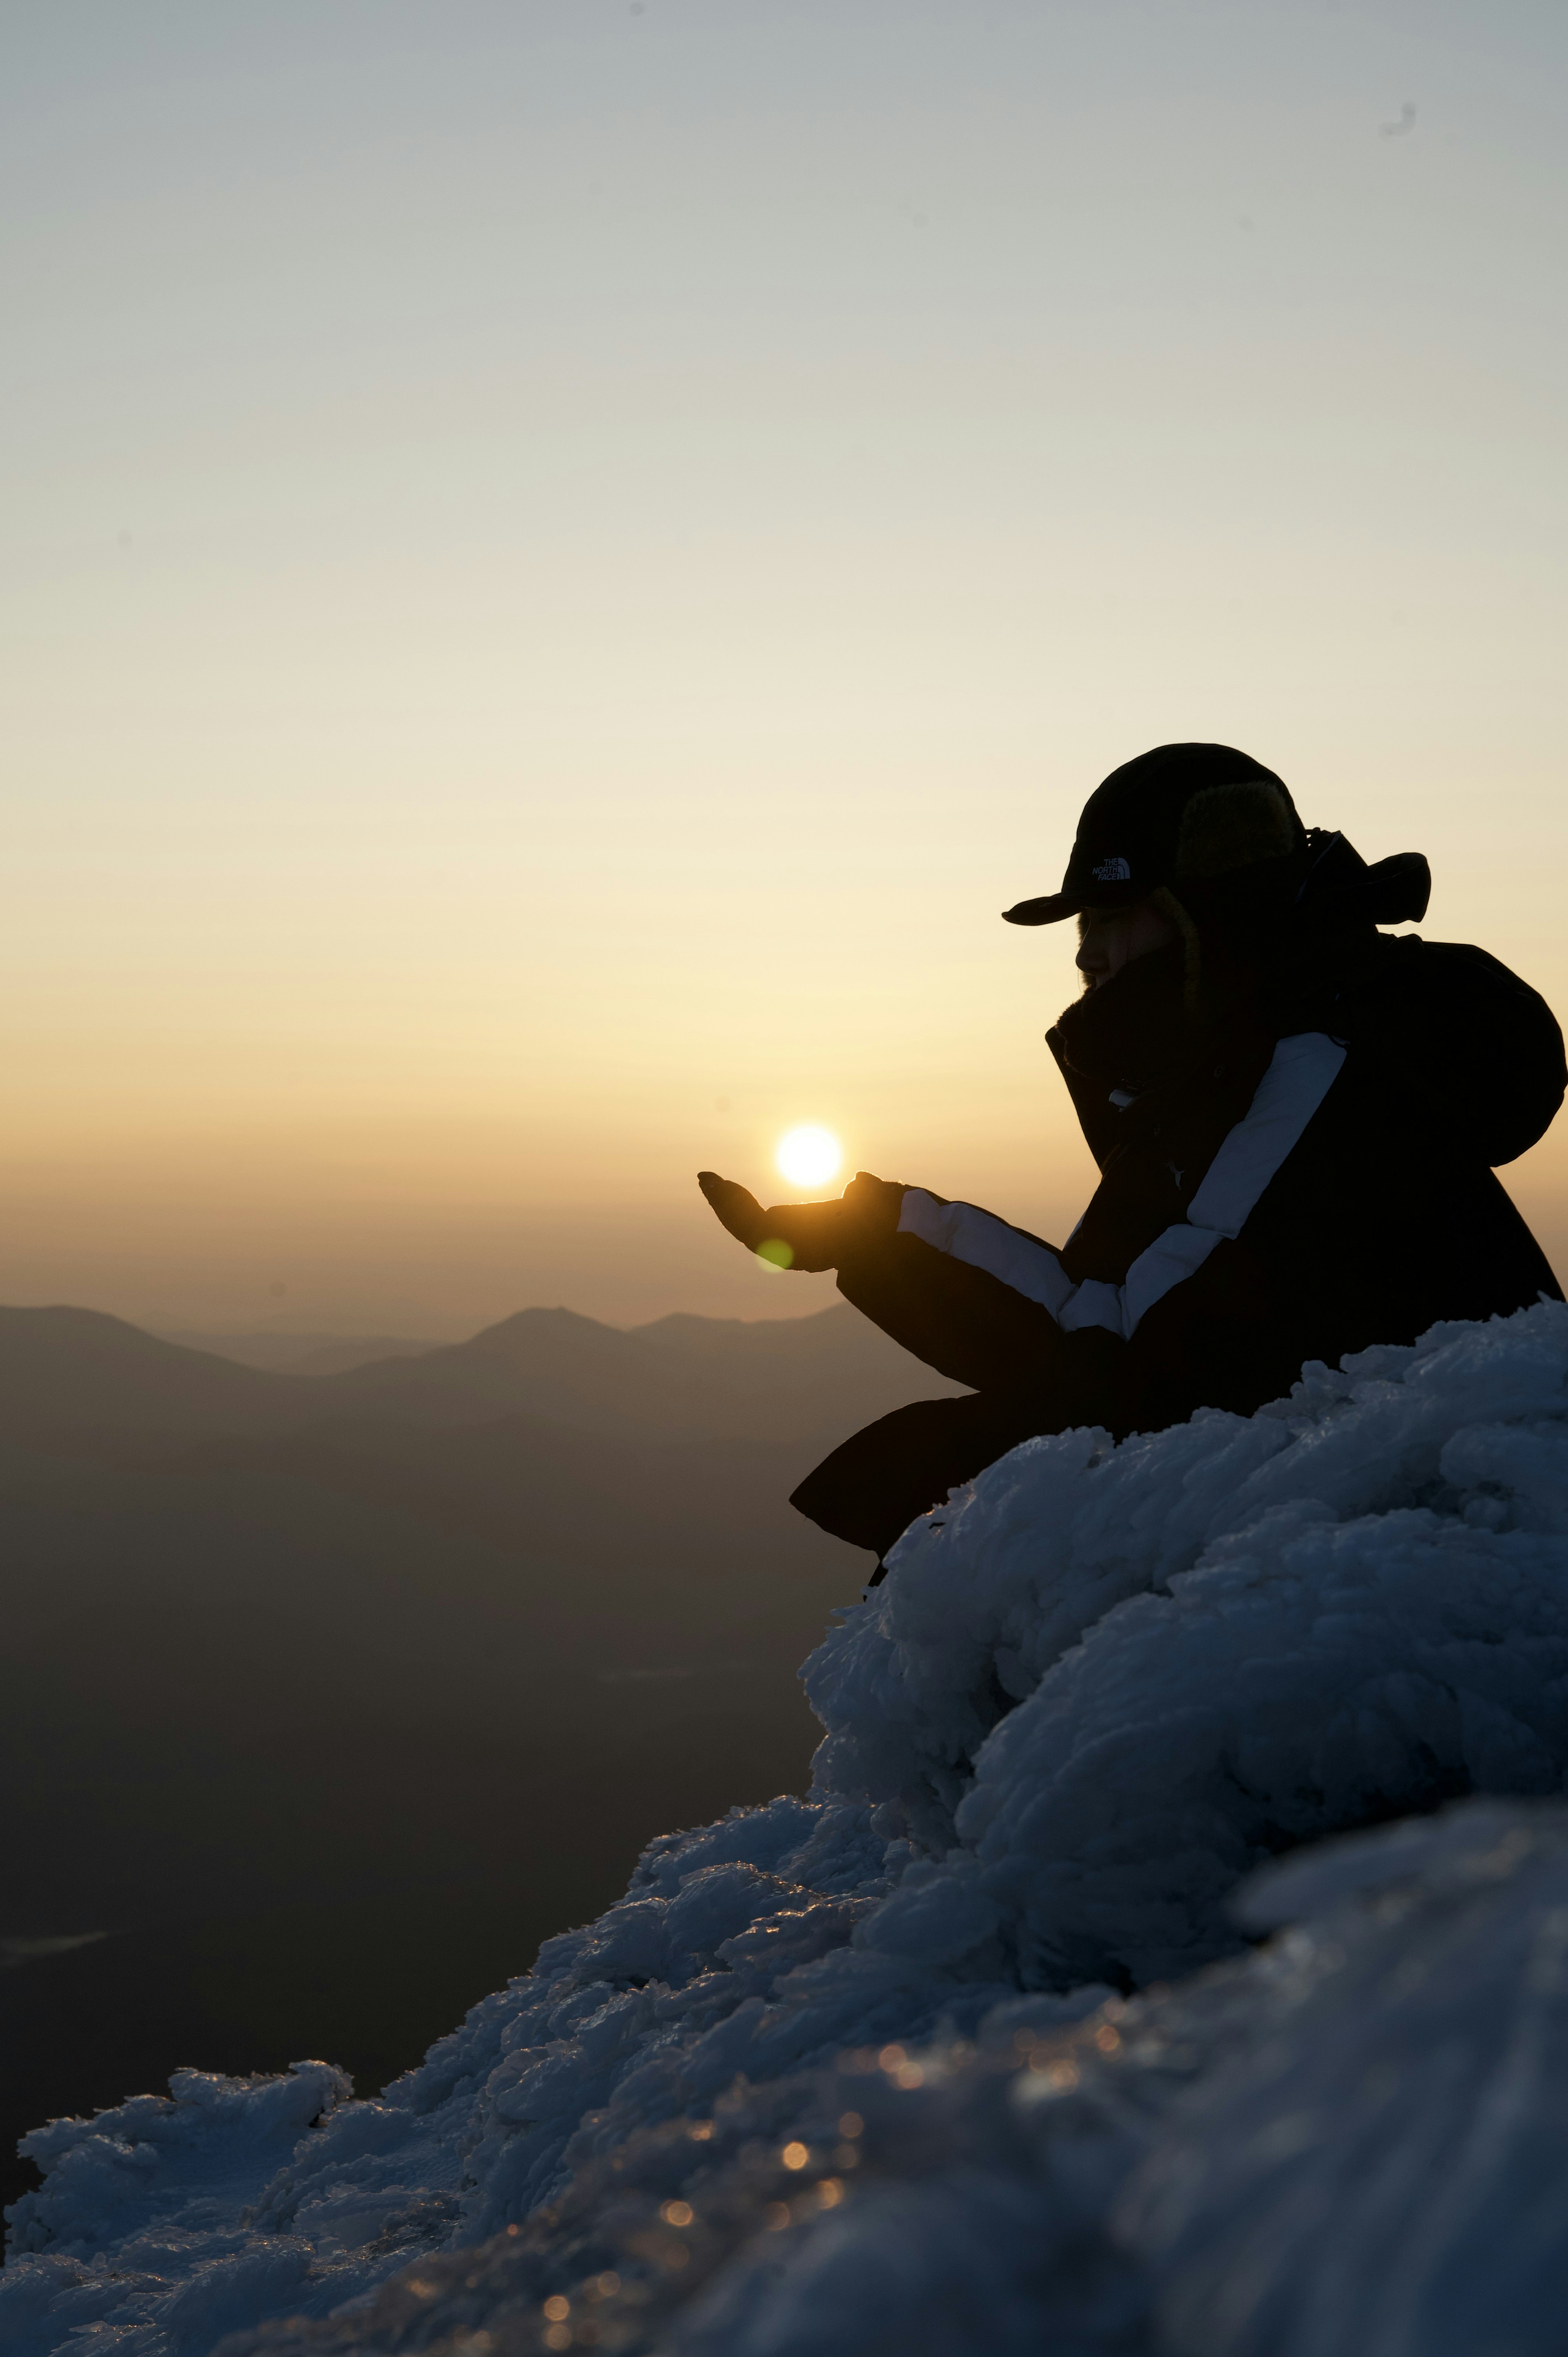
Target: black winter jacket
(1300, 1169)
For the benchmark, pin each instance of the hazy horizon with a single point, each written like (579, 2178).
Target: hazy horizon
(564, 561)
(284, 1329)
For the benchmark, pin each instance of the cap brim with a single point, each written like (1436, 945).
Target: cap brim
(1048, 911)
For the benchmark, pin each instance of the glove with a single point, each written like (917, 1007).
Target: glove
(806, 1235)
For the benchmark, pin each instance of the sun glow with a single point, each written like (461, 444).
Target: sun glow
(807, 1157)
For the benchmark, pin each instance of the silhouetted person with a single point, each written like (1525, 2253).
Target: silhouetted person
(1296, 1120)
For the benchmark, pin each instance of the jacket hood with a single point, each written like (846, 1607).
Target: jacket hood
(1462, 1047)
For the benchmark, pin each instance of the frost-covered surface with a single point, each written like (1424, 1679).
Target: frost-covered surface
(1097, 1691)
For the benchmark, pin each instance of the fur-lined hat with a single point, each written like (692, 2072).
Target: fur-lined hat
(1180, 814)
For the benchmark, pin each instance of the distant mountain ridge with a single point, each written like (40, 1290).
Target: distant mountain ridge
(771, 1380)
(70, 1375)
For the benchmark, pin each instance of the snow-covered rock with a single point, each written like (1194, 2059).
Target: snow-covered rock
(902, 2065)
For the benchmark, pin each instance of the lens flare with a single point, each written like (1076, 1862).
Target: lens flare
(807, 1157)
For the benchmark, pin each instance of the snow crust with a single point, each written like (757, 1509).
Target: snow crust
(969, 2050)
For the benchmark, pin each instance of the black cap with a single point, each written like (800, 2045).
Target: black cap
(1130, 835)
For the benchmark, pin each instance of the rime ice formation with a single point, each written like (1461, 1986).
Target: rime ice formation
(967, 2051)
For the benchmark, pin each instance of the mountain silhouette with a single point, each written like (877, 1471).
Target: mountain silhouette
(476, 1624)
(79, 1373)
(80, 1377)
(775, 1380)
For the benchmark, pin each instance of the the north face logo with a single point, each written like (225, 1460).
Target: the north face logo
(1111, 871)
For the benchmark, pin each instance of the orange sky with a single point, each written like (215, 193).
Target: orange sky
(562, 566)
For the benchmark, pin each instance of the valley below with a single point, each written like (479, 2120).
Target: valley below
(326, 1697)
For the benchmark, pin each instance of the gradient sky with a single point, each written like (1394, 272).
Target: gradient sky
(563, 561)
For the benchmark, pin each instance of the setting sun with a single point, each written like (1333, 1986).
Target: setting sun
(808, 1157)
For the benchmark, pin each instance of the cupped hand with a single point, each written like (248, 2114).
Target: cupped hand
(805, 1235)
(791, 1235)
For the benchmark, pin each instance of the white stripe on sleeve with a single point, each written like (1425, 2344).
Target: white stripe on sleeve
(1301, 1071)
(967, 1234)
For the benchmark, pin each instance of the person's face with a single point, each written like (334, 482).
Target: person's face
(1112, 938)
